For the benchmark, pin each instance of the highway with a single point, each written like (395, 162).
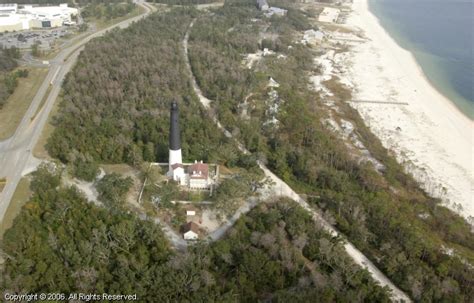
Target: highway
(16, 151)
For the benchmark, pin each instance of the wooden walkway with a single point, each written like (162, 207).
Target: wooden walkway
(348, 39)
(378, 102)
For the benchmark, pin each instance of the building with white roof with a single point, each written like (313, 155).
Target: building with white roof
(62, 12)
(14, 22)
(190, 231)
(13, 18)
(329, 15)
(8, 8)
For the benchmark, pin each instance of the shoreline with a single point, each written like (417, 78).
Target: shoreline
(459, 101)
(434, 137)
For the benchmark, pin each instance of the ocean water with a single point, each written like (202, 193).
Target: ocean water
(439, 33)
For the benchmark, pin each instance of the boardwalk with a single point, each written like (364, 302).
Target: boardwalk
(378, 102)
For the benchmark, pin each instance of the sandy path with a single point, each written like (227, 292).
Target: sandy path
(280, 188)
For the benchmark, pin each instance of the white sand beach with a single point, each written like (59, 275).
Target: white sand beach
(429, 134)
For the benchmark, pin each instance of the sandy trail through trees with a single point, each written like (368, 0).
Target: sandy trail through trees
(280, 188)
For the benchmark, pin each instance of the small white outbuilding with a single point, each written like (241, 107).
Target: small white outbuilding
(190, 231)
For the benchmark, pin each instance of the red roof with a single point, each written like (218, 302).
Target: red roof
(198, 171)
(190, 226)
(176, 165)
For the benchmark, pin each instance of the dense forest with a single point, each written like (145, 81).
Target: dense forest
(107, 11)
(62, 243)
(386, 214)
(115, 109)
(116, 101)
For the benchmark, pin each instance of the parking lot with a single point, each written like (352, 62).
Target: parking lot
(25, 39)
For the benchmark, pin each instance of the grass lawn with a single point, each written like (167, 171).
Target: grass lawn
(122, 169)
(20, 197)
(2, 184)
(17, 104)
(43, 101)
(195, 196)
(39, 151)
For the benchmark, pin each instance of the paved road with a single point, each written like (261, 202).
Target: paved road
(16, 151)
(29, 60)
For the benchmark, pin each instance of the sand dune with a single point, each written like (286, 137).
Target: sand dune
(430, 134)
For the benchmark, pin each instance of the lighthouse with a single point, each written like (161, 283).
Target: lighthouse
(176, 170)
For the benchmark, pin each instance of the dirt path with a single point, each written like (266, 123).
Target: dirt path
(280, 188)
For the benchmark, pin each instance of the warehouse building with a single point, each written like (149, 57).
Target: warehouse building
(14, 22)
(8, 8)
(14, 18)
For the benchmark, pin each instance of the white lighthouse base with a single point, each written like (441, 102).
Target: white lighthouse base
(176, 173)
(175, 157)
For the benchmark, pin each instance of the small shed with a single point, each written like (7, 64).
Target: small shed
(190, 231)
(190, 210)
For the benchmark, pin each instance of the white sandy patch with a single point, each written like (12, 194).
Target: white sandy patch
(325, 65)
(330, 64)
(251, 59)
(433, 134)
(87, 188)
(273, 106)
(318, 86)
(209, 220)
(31, 166)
